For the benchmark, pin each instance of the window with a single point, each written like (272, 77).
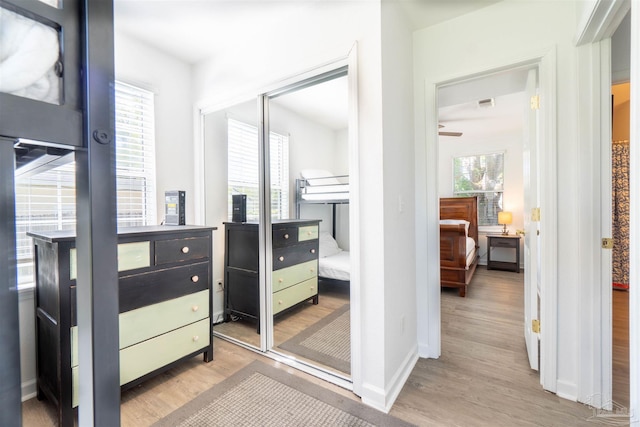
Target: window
(46, 200)
(482, 176)
(243, 169)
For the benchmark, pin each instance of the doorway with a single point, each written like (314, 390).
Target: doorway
(489, 116)
(274, 291)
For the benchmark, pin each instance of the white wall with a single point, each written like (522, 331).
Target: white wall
(399, 209)
(385, 356)
(493, 37)
(511, 145)
(170, 80)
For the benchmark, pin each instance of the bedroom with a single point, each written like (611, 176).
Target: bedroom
(308, 128)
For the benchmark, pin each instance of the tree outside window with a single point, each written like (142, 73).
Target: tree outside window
(482, 176)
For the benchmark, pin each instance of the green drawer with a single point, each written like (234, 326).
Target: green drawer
(153, 320)
(309, 232)
(140, 359)
(289, 276)
(130, 257)
(294, 294)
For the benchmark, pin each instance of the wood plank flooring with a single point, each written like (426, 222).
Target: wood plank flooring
(481, 379)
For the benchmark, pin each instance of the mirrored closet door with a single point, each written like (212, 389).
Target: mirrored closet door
(282, 278)
(308, 124)
(232, 170)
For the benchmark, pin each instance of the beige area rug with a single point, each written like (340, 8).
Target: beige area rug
(261, 395)
(327, 341)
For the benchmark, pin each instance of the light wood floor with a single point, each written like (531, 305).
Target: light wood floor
(621, 347)
(481, 379)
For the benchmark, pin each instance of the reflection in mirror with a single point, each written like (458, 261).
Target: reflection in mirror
(53, 3)
(29, 59)
(313, 326)
(232, 173)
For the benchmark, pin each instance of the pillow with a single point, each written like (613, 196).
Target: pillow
(309, 174)
(457, 222)
(328, 245)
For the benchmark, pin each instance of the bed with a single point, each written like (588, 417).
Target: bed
(319, 186)
(458, 242)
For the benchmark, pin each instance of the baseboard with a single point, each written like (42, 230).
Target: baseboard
(218, 316)
(28, 390)
(427, 352)
(383, 400)
(567, 390)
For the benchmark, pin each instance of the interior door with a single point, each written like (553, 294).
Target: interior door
(531, 221)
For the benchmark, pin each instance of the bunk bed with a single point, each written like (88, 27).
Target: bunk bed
(458, 242)
(321, 187)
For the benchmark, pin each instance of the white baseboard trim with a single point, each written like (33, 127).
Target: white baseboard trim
(425, 352)
(567, 390)
(383, 400)
(28, 390)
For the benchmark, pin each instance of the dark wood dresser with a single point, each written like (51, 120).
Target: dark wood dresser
(294, 273)
(165, 306)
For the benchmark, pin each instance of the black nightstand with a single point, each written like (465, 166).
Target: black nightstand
(502, 241)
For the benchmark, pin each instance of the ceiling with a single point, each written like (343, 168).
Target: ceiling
(196, 30)
(199, 30)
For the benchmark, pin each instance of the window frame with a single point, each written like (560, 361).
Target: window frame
(482, 220)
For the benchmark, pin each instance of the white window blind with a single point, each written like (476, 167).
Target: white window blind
(46, 201)
(481, 176)
(243, 169)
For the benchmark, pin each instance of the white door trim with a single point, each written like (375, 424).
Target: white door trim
(595, 29)
(430, 327)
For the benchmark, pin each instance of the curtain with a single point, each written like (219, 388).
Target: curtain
(620, 193)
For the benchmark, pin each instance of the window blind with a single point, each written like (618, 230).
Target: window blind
(243, 169)
(47, 201)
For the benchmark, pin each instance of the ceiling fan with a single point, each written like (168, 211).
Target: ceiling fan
(445, 133)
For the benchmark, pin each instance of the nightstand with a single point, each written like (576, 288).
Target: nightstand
(502, 241)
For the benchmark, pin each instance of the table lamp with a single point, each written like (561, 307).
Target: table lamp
(505, 218)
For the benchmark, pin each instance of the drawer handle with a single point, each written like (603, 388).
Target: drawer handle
(286, 236)
(195, 338)
(312, 269)
(195, 278)
(309, 233)
(280, 280)
(194, 308)
(185, 249)
(279, 302)
(281, 258)
(313, 251)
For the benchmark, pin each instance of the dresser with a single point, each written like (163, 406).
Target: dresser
(164, 279)
(294, 269)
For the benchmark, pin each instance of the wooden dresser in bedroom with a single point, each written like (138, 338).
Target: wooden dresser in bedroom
(165, 306)
(294, 272)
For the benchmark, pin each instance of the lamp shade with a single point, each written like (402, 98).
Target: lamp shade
(505, 217)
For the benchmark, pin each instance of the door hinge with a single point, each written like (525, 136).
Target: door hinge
(535, 326)
(535, 102)
(607, 243)
(535, 214)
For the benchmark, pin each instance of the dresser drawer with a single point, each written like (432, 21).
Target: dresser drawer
(285, 236)
(288, 256)
(148, 322)
(286, 277)
(161, 285)
(504, 243)
(294, 294)
(140, 359)
(131, 256)
(144, 289)
(178, 250)
(308, 232)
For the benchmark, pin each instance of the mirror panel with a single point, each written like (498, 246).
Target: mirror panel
(232, 203)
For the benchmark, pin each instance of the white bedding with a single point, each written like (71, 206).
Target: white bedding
(471, 251)
(337, 266)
